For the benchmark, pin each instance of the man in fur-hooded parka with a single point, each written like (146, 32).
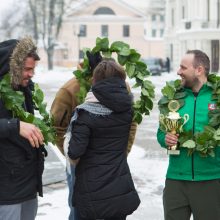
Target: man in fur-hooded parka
(21, 165)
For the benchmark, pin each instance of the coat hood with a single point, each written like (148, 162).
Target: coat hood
(113, 93)
(12, 56)
(6, 49)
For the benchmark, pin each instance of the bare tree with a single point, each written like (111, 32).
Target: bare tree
(15, 21)
(47, 18)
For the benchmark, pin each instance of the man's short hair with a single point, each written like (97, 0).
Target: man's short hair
(200, 58)
(34, 55)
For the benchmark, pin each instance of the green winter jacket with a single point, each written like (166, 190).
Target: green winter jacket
(195, 167)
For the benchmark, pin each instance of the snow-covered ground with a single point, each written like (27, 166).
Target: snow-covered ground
(147, 167)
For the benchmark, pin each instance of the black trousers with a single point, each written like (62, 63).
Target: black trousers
(181, 199)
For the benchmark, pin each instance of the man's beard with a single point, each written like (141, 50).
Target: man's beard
(190, 83)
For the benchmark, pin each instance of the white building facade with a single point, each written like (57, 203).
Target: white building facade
(192, 24)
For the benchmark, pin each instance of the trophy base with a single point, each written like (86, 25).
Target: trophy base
(173, 152)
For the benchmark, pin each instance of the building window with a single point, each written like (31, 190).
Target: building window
(162, 18)
(153, 17)
(104, 30)
(82, 30)
(104, 11)
(126, 30)
(161, 32)
(154, 32)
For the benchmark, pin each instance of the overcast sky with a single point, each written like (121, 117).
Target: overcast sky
(5, 5)
(8, 3)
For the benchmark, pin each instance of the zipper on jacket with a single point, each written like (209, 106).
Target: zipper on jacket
(194, 118)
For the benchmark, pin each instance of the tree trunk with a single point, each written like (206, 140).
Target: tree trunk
(47, 17)
(50, 52)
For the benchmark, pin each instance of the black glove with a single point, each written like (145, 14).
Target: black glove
(94, 59)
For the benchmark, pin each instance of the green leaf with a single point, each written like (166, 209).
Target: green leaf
(180, 95)
(145, 92)
(202, 137)
(137, 117)
(148, 103)
(136, 85)
(184, 136)
(130, 69)
(134, 56)
(189, 144)
(148, 84)
(122, 60)
(217, 135)
(163, 100)
(38, 93)
(139, 75)
(137, 104)
(169, 92)
(107, 54)
(85, 49)
(141, 66)
(214, 121)
(210, 129)
(124, 51)
(181, 102)
(96, 49)
(77, 73)
(117, 46)
(102, 43)
(177, 83)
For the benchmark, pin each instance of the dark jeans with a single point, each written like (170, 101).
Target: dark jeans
(181, 199)
(70, 183)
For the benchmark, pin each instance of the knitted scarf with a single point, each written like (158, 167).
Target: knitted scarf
(93, 107)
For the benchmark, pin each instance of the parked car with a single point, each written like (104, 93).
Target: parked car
(154, 65)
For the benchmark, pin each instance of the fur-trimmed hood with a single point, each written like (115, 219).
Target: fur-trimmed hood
(12, 56)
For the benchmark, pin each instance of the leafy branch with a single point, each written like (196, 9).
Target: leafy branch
(204, 142)
(14, 100)
(134, 68)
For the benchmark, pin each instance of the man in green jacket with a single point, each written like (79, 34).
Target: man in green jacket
(192, 182)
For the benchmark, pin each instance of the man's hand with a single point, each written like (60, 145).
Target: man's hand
(171, 139)
(31, 133)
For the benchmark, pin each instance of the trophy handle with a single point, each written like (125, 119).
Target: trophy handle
(162, 120)
(185, 119)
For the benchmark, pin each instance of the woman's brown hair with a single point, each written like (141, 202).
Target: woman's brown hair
(108, 68)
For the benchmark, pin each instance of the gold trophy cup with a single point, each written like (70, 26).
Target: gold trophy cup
(173, 123)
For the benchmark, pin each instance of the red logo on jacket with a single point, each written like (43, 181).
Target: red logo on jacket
(212, 106)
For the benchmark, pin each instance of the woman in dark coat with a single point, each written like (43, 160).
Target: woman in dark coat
(104, 187)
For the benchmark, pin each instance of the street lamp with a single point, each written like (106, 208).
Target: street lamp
(77, 34)
(78, 40)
